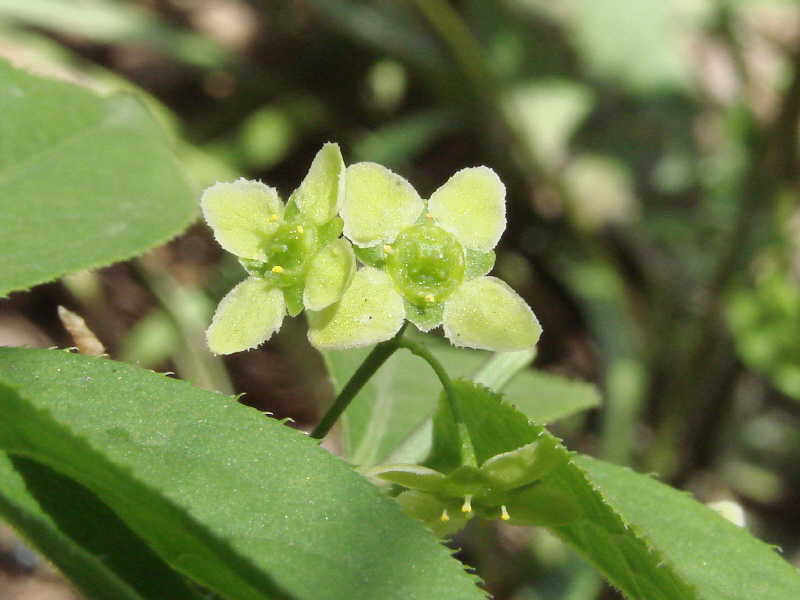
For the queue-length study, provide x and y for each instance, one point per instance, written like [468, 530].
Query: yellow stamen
[277, 269]
[467, 506]
[273, 218]
[300, 229]
[388, 249]
[430, 215]
[430, 298]
[505, 516]
[445, 517]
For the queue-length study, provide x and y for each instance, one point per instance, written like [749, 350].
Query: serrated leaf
[722, 560]
[494, 426]
[231, 498]
[599, 534]
[85, 180]
[649, 540]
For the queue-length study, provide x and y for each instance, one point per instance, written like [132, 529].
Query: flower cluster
[422, 261]
[506, 486]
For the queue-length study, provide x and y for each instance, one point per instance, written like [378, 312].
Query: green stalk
[467, 451]
[379, 355]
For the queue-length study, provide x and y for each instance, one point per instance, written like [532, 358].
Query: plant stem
[467, 450]
[379, 355]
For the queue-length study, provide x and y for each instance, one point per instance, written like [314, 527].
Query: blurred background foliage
[650, 151]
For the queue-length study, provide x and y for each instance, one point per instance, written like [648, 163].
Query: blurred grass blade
[109, 22]
[502, 367]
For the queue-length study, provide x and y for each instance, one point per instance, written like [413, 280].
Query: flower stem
[379, 355]
[467, 450]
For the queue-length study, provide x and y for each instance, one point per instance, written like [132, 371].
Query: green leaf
[85, 180]
[494, 426]
[599, 534]
[651, 541]
[722, 561]
[17, 507]
[545, 397]
[231, 498]
[88, 522]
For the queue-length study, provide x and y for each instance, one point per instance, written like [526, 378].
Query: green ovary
[289, 254]
[426, 264]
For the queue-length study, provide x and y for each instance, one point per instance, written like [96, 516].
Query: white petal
[486, 313]
[370, 311]
[472, 206]
[243, 215]
[320, 195]
[331, 271]
[378, 204]
[246, 317]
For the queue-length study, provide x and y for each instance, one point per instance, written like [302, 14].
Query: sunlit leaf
[85, 180]
[235, 500]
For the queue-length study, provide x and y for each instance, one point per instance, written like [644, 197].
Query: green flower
[507, 486]
[293, 254]
[427, 262]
